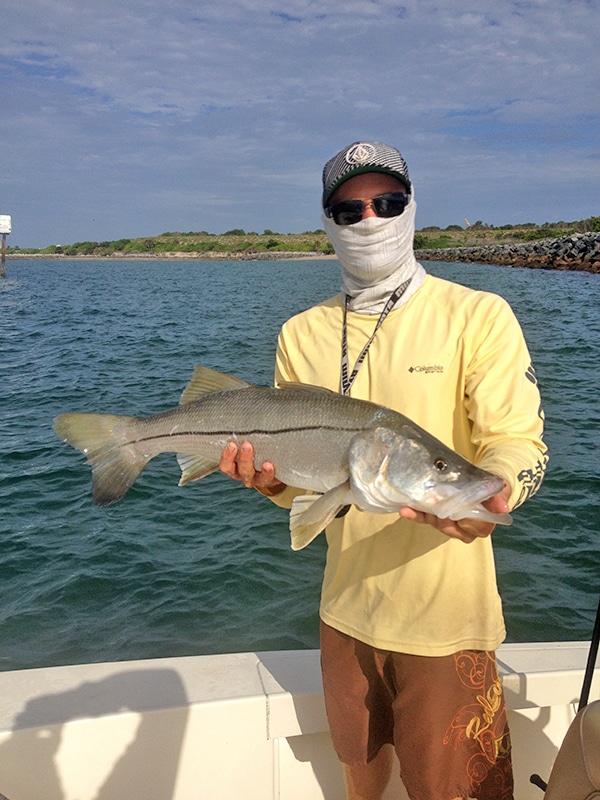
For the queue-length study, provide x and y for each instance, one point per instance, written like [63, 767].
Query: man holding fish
[407, 423]
[410, 611]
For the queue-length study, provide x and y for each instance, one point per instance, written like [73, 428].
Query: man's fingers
[227, 463]
[237, 462]
[267, 474]
[245, 464]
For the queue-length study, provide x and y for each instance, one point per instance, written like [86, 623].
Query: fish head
[390, 469]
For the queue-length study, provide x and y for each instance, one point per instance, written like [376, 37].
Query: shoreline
[176, 256]
[577, 252]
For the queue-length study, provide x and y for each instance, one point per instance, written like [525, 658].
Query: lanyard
[346, 380]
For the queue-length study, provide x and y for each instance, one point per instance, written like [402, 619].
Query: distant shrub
[119, 245]
[593, 224]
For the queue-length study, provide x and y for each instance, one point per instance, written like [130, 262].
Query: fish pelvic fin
[312, 513]
[205, 380]
[104, 438]
[195, 467]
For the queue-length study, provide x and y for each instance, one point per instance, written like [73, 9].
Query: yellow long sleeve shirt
[455, 361]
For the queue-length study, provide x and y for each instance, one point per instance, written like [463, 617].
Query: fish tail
[113, 454]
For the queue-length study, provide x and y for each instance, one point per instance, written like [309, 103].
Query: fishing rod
[591, 663]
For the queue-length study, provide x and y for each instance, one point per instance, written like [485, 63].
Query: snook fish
[346, 450]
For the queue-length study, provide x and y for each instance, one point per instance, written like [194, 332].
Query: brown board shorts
[445, 716]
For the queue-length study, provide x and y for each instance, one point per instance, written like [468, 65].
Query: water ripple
[208, 568]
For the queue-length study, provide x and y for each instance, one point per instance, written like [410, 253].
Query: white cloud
[140, 113]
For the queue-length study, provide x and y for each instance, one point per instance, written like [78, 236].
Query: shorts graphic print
[484, 723]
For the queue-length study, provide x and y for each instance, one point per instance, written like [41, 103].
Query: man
[410, 612]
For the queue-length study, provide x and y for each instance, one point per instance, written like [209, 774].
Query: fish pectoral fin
[311, 513]
[205, 380]
[195, 467]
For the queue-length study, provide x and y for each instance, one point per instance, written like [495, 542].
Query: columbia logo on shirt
[427, 368]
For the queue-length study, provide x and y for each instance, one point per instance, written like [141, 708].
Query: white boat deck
[246, 725]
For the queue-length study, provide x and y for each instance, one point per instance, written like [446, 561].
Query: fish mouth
[472, 496]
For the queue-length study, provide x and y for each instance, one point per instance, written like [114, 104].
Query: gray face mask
[373, 248]
[376, 255]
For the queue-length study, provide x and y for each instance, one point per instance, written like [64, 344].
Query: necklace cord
[346, 378]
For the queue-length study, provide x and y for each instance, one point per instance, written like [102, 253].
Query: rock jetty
[580, 251]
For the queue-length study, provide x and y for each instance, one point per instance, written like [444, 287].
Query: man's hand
[467, 530]
[243, 468]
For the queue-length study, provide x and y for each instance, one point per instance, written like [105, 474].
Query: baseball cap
[360, 157]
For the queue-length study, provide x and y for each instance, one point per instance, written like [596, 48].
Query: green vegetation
[241, 244]
[235, 241]
[478, 234]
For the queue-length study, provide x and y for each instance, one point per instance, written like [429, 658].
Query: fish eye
[440, 465]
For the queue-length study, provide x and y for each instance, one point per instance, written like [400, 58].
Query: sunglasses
[349, 212]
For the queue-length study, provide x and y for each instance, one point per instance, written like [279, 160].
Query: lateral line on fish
[230, 432]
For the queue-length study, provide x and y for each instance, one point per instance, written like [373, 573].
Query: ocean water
[207, 568]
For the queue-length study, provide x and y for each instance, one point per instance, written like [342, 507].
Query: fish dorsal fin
[205, 380]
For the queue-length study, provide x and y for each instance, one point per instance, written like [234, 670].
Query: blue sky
[127, 118]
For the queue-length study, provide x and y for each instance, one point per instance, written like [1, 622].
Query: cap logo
[360, 154]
